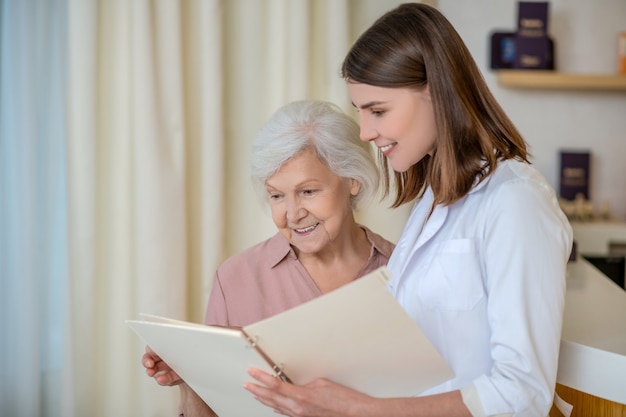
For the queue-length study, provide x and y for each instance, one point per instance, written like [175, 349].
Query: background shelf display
[537, 79]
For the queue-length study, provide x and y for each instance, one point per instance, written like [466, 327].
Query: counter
[596, 237]
[593, 342]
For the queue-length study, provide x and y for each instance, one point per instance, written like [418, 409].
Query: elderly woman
[309, 164]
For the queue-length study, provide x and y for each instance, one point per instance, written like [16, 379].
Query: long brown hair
[412, 46]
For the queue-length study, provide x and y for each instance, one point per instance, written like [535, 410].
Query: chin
[400, 168]
[309, 249]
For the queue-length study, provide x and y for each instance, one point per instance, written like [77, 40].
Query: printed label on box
[574, 175]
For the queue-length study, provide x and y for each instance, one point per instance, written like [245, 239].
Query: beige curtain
[164, 98]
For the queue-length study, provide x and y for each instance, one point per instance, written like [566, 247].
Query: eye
[309, 192]
[274, 196]
[378, 113]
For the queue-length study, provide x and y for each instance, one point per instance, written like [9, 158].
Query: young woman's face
[400, 121]
[310, 204]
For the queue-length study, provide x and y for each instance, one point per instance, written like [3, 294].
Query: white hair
[323, 127]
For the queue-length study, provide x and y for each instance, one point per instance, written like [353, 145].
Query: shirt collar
[280, 249]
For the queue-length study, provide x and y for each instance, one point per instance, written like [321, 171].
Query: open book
[357, 335]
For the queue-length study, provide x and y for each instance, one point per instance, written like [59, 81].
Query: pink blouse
[267, 279]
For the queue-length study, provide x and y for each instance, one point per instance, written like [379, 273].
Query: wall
[585, 36]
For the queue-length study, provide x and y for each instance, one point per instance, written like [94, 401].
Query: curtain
[124, 143]
[33, 224]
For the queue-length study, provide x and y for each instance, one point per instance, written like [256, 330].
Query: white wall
[585, 36]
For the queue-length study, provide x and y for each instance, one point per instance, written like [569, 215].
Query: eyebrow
[370, 104]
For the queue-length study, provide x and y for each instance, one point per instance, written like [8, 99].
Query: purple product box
[533, 48]
[574, 174]
[533, 53]
[532, 19]
[503, 52]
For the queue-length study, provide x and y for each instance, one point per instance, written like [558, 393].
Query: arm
[323, 398]
[191, 405]
[526, 245]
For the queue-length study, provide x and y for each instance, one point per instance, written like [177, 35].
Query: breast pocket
[454, 280]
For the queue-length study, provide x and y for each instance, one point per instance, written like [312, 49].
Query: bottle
[621, 53]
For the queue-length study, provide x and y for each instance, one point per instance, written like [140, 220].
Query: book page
[167, 320]
[358, 336]
[212, 360]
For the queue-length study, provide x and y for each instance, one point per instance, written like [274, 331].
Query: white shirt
[484, 278]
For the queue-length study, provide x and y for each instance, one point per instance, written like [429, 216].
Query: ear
[355, 187]
[426, 92]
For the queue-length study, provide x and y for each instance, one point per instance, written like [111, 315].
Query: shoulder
[514, 170]
[515, 176]
[521, 191]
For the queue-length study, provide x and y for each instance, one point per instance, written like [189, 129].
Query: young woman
[481, 263]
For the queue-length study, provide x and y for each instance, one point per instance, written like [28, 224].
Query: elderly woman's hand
[159, 370]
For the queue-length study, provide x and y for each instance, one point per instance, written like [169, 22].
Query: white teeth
[306, 229]
[386, 148]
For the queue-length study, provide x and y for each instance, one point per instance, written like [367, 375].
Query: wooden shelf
[534, 79]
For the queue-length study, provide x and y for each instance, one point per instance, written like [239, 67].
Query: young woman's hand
[320, 398]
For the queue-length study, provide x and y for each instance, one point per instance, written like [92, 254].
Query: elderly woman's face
[311, 206]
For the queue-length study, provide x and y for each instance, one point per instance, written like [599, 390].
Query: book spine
[278, 368]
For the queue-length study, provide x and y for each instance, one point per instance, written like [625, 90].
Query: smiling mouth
[385, 149]
[306, 230]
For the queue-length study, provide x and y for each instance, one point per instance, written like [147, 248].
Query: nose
[295, 211]
[367, 132]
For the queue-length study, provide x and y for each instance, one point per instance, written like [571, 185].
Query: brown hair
[412, 46]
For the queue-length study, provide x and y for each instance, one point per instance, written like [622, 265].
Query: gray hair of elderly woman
[323, 127]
